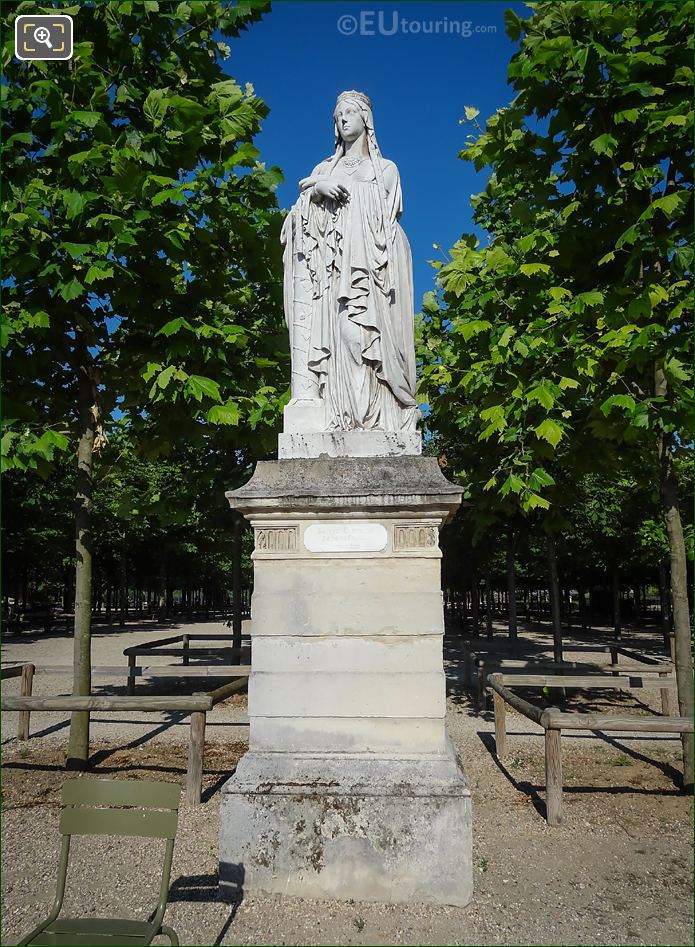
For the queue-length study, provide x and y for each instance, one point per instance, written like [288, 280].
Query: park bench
[141, 809]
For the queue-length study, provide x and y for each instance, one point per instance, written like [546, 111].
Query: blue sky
[298, 60]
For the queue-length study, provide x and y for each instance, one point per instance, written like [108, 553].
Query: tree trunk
[25, 589]
[617, 625]
[465, 628]
[581, 604]
[474, 601]
[511, 586]
[488, 605]
[78, 744]
[554, 598]
[679, 582]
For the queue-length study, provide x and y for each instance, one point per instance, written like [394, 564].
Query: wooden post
[196, 750]
[500, 720]
[467, 662]
[666, 692]
[553, 777]
[186, 645]
[481, 687]
[131, 677]
[25, 715]
[614, 659]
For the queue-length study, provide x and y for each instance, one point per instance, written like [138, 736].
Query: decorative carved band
[414, 537]
[277, 539]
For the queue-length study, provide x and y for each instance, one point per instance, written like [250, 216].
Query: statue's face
[349, 121]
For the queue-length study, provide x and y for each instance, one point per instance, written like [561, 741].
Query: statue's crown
[352, 94]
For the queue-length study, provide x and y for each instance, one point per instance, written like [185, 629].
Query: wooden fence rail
[197, 705]
[158, 647]
[554, 721]
[488, 664]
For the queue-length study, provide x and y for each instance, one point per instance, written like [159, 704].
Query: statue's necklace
[353, 162]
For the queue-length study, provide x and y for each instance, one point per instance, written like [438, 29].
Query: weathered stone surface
[328, 654]
[373, 830]
[349, 789]
[367, 694]
[349, 444]
[347, 483]
[399, 736]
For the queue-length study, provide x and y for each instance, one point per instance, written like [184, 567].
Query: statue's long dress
[361, 346]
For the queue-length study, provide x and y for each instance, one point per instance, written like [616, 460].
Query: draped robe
[360, 350]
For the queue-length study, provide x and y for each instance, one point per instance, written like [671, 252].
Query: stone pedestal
[351, 787]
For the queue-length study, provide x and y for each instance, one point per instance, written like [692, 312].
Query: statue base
[342, 827]
[349, 444]
[350, 788]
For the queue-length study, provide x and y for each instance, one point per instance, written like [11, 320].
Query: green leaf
[513, 24]
[97, 272]
[550, 431]
[626, 402]
[530, 269]
[604, 144]
[542, 394]
[506, 336]
[470, 112]
[198, 386]
[172, 327]
[568, 383]
[5, 333]
[165, 376]
[71, 290]
[521, 348]
[591, 298]
[559, 292]
[513, 483]
[540, 478]
[678, 120]
[674, 368]
[155, 106]
[670, 205]
[74, 203]
[76, 250]
[88, 119]
[228, 413]
[473, 327]
[627, 115]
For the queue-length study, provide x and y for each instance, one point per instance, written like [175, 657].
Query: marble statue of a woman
[348, 293]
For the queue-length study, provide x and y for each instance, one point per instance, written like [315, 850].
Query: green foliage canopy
[140, 231]
[548, 337]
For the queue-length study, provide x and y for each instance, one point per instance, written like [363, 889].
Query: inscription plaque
[345, 537]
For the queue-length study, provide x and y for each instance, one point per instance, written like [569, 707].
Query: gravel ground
[618, 871]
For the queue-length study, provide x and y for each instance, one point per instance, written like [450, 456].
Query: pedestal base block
[355, 827]
[349, 444]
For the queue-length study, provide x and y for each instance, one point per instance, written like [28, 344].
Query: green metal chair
[111, 807]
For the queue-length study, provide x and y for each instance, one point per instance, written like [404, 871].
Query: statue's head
[353, 113]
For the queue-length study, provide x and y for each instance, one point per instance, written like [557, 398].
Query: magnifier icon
[42, 35]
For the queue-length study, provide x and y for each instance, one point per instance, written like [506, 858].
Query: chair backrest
[120, 807]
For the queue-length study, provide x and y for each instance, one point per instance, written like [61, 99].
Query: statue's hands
[307, 182]
[327, 187]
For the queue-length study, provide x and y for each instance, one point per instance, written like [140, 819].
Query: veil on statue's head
[364, 105]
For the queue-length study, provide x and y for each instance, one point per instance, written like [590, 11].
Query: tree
[571, 327]
[140, 250]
